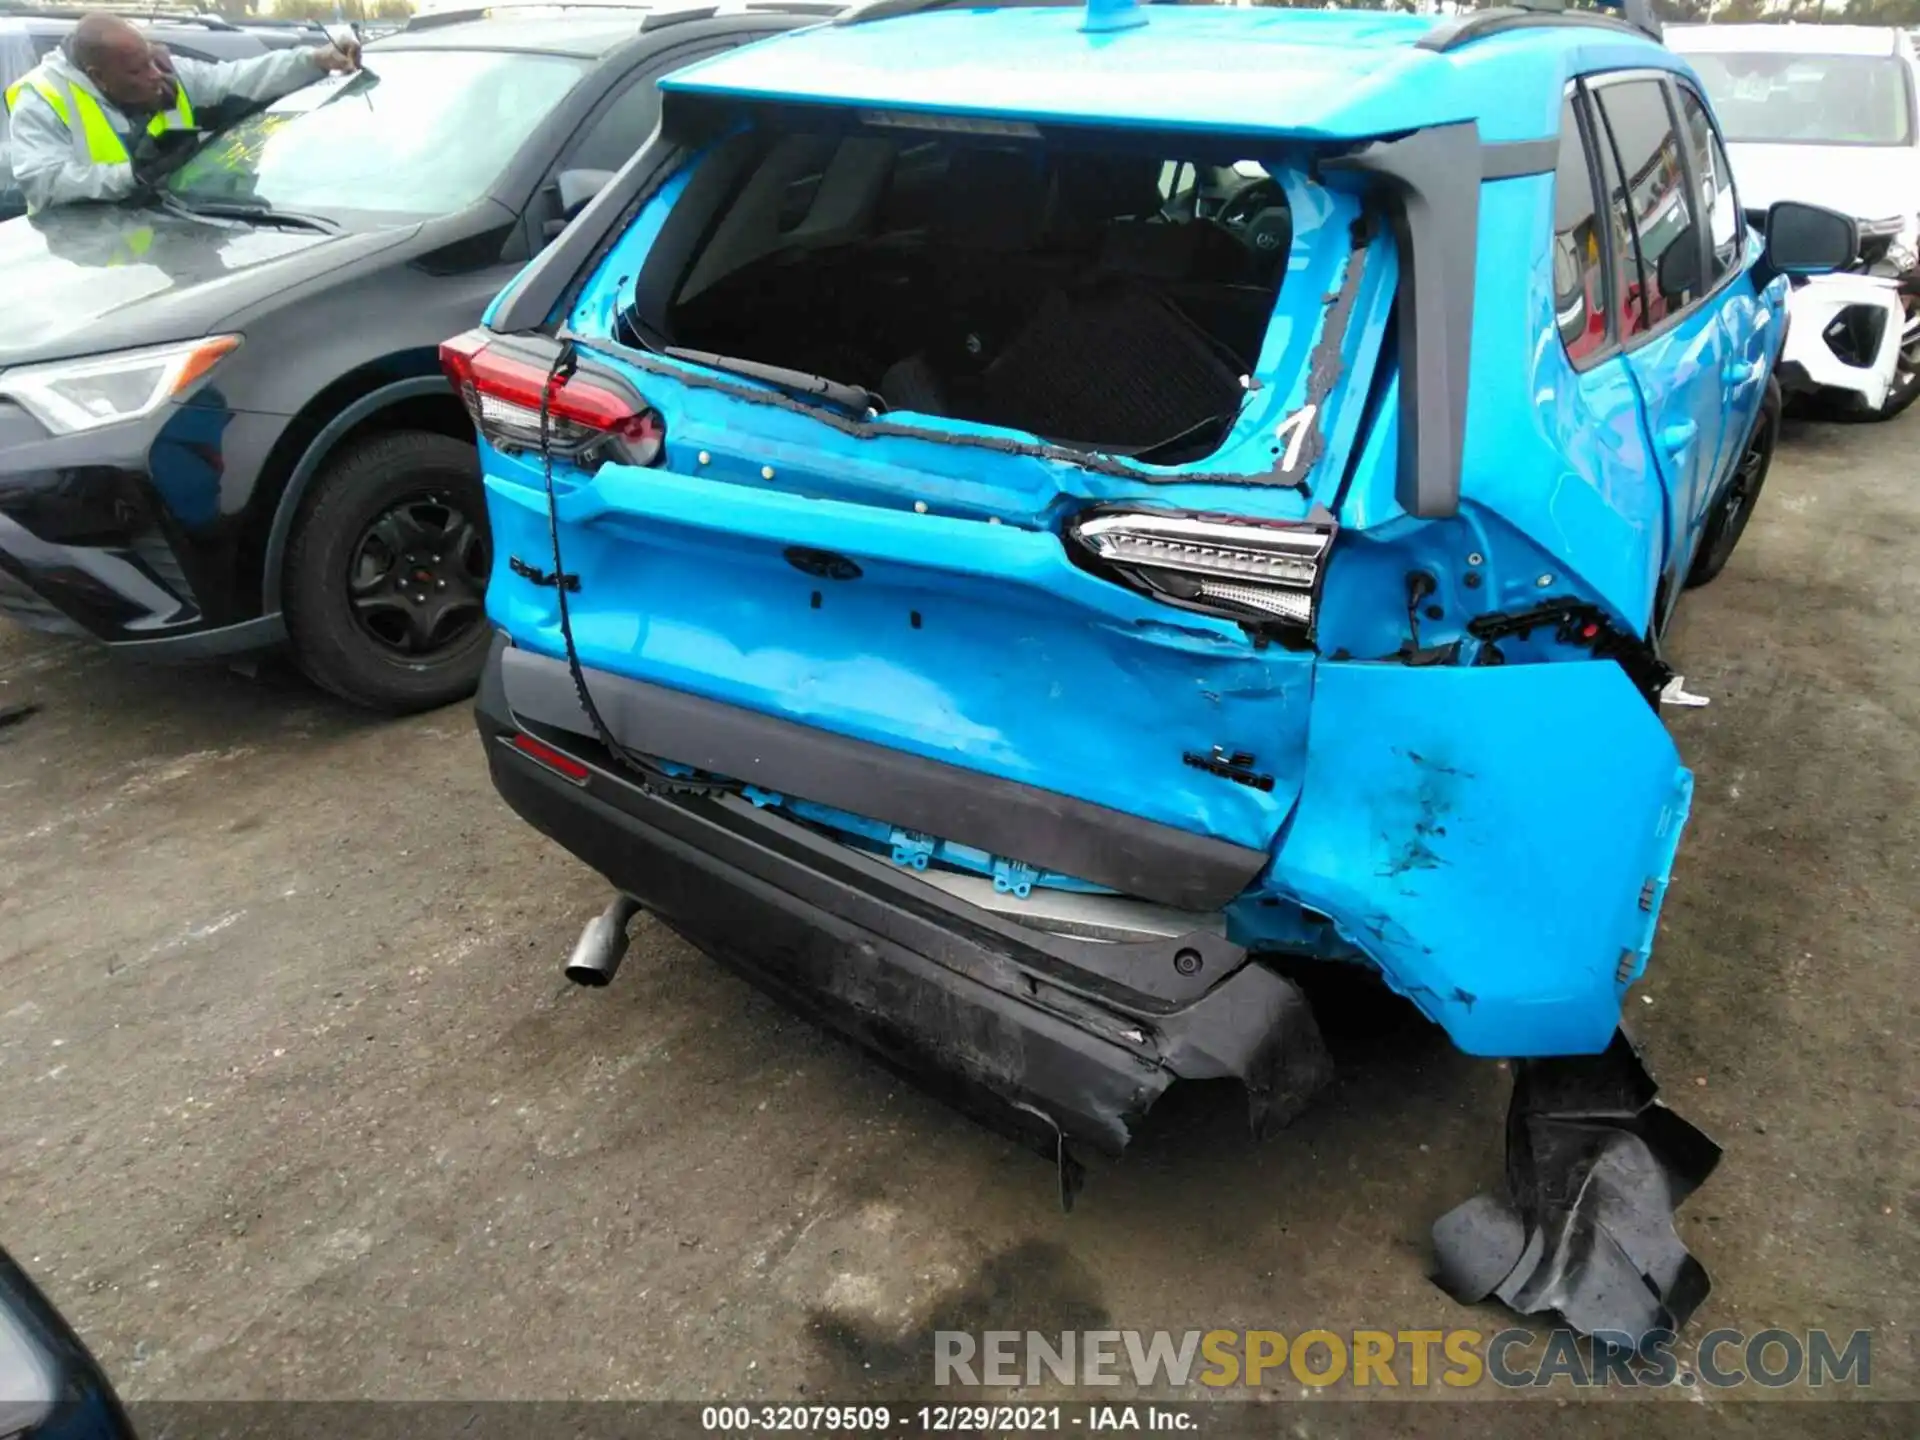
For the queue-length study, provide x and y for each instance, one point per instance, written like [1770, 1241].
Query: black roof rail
[661, 19]
[211, 22]
[650, 21]
[1636, 17]
[893, 9]
[417, 23]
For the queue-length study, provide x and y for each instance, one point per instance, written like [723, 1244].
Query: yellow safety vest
[103, 143]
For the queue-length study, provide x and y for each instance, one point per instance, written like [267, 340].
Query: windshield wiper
[854, 399]
[258, 212]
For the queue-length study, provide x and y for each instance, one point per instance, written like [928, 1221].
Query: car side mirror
[572, 189]
[1810, 239]
[50, 1384]
[1678, 269]
[577, 187]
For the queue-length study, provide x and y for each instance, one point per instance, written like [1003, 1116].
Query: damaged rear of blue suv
[1012, 524]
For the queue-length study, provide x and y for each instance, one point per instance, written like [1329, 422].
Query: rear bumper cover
[1061, 1039]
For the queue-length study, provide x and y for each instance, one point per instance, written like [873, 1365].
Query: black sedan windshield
[418, 132]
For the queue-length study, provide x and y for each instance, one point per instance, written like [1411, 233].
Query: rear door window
[1652, 190]
[1726, 233]
[1579, 246]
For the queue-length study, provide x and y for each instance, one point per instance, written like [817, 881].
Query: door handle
[1676, 438]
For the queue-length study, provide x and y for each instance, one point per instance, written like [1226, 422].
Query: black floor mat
[1110, 367]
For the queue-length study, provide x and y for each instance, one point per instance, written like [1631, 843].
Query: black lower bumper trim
[1041, 827]
[1061, 1040]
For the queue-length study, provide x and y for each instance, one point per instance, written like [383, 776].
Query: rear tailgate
[911, 583]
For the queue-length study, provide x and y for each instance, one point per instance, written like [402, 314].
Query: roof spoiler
[1634, 15]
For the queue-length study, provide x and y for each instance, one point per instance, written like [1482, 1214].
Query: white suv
[1826, 114]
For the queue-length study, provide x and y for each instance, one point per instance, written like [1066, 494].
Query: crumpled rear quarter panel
[1484, 835]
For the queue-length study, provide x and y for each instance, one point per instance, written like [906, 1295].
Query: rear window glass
[1110, 298]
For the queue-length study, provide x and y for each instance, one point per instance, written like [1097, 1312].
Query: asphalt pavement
[294, 1102]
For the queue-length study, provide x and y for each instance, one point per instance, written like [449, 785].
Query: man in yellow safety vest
[84, 122]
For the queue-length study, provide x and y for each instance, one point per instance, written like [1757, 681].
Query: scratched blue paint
[1484, 834]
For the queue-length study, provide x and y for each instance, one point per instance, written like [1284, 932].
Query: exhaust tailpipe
[598, 951]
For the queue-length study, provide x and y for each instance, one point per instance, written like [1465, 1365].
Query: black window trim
[1576, 95]
[1667, 80]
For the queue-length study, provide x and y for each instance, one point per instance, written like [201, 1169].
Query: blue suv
[1014, 526]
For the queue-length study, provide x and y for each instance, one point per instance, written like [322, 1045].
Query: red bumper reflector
[564, 766]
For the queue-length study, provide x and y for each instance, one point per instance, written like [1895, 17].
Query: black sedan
[223, 424]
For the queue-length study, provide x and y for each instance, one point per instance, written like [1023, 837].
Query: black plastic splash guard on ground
[1596, 1167]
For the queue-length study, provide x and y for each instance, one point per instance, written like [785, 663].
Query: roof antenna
[1105, 16]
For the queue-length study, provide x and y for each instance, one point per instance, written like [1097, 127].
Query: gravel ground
[294, 1102]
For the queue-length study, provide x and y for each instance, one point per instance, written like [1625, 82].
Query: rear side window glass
[1624, 250]
[1654, 194]
[1579, 249]
[1718, 202]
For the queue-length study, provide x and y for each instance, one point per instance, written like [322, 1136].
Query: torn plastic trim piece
[1596, 1167]
[1431, 186]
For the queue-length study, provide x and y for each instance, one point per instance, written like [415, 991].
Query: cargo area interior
[1106, 299]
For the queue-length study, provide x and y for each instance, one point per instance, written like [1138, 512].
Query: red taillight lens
[587, 415]
[565, 766]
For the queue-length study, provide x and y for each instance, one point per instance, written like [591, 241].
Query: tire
[385, 578]
[1735, 504]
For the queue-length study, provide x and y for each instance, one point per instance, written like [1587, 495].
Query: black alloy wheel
[386, 576]
[418, 575]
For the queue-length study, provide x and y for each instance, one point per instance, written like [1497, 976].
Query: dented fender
[1498, 840]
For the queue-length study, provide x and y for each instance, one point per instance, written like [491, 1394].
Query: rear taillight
[1262, 573]
[590, 415]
